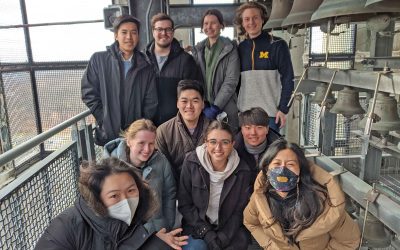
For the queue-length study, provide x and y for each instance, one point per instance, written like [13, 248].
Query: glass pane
[45, 11]
[212, 1]
[10, 13]
[12, 46]
[69, 42]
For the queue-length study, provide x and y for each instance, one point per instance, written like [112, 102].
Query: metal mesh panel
[312, 123]
[341, 47]
[21, 112]
[346, 142]
[390, 176]
[59, 99]
[27, 211]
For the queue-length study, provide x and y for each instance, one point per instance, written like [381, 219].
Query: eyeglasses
[223, 143]
[166, 30]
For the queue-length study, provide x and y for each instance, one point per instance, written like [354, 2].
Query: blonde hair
[238, 21]
[139, 125]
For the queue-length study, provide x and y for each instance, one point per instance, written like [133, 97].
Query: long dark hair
[311, 196]
[91, 181]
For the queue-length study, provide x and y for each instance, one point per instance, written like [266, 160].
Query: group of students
[226, 186]
[227, 179]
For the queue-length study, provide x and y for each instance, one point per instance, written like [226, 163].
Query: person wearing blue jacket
[266, 67]
[137, 148]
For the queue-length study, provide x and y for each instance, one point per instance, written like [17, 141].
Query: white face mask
[124, 210]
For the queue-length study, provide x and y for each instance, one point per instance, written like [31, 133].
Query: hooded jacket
[116, 101]
[179, 65]
[157, 172]
[225, 77]
[266, 74]
[334, 229]
[79, 227]
[193, 199]
[249, 158]
[174, 140]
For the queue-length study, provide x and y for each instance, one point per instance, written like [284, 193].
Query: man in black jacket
[171, 64]
[118, 85]
[254, 138]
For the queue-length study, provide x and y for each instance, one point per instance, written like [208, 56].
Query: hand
[211, 112]
[172, 238]
[280, 117]
[188, 48]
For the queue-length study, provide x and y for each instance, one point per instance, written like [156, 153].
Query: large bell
[344, 11]
[385, 115]
[320, 92]
[375, 235]
[280, 10]
[347, 103]
[384, 4]
[301, 12]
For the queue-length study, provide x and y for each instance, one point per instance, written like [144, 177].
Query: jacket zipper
[252, 55]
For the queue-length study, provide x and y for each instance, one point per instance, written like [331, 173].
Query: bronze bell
[301, 12]
[386, 117]
[320, 92]
[344, 11]
[280, 10]
[375, 235]
[394, 5]
[347, 103]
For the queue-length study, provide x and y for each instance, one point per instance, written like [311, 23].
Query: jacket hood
[215, 176]
[116, 148]
[139, 59]
[176, 49]
[324, 223]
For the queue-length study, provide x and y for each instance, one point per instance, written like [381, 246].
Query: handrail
[23, 147]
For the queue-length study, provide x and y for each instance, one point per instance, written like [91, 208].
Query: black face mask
[282, 179]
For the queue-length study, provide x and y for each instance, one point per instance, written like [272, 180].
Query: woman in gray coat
[219, 62]
[137, 148]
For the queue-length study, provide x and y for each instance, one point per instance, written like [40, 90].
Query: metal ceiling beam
[188, 15]
[357, 79]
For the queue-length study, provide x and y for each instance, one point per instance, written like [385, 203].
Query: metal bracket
[372, 194]
[338, 171]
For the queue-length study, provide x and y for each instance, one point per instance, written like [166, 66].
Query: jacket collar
[323, 224]
[176, 49]
[139, 61]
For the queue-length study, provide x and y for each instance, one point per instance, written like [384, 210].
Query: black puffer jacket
[249, 158]
[193, 199]
[79, 227]
[179, 65]
[116, 102]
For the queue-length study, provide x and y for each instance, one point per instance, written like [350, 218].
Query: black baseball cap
[125, 19]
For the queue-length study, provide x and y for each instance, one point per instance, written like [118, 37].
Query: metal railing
[37, 195]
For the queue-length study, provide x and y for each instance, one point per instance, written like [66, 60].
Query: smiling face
[163, 33]
[118, 187]
[212, 27]
[127, 37]
[141, 147]
[190, 105]
[219, 146]
[286, 158]
[252, 22]
[254, 135]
